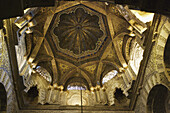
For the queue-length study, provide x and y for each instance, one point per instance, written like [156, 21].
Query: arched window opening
[158, 100]
[3, 99]
[109, 76]
[76, 86]
[69, 87]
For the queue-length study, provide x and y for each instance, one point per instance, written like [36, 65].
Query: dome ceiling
[76, 44]
[78, 31]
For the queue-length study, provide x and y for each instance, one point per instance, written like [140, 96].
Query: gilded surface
[80, 45]
[78, 31]
[91, 69]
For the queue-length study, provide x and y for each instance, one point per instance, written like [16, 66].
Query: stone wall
[6, 76]
[155, 71]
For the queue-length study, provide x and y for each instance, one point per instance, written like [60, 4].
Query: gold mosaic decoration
[63, 68]
[91, 69]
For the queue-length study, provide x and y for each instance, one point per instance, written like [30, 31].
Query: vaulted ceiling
[78, 43]
[79, 40]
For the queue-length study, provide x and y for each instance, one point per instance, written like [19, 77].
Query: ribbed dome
[78, 31]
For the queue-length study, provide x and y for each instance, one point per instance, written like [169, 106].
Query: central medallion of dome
[78, 31]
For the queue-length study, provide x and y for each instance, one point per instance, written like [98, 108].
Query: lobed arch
[166, 54]
[159, 49]
[158, 75]
[8, 89]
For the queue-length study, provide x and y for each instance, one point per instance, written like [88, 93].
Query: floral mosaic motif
[78, 31]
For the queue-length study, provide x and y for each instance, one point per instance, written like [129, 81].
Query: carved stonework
[136, 57]
[110, 96]
[6, 77]
[42, 96]
[103, 97]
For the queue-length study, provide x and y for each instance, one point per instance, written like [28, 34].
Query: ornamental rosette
[78, 31]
